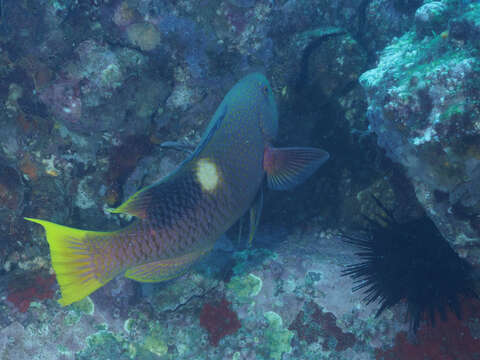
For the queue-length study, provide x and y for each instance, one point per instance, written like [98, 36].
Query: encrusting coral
[219, 320]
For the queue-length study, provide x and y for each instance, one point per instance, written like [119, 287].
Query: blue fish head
[263, 103]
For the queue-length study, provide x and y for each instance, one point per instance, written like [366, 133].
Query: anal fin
[165, 269]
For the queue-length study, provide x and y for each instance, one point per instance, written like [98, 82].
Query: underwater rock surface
[289, 300]
[424, 98]
[87, 108]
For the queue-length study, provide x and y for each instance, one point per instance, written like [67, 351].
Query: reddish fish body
[179, 218]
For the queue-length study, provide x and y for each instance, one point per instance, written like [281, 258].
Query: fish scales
[153, 238]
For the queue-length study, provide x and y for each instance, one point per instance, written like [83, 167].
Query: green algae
[111, 76]
[84, 306]
[407, 57]
[77, 310]
[64, 351]
[128, 325]
[453, 111]
[155, 342]
[71, 318]
[155, 345]
[245, 287]
[105, 345]
[101, 326]
[276, 339]
[473, 14]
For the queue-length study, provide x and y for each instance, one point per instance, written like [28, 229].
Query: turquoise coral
[246, 287]
[104, 345]
[276, 339]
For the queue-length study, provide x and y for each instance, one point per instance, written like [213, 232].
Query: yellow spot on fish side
[207, 174]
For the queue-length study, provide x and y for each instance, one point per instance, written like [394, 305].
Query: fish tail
[74, 260]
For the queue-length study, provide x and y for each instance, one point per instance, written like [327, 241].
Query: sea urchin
[410, 261]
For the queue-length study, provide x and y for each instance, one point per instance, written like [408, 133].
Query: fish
[178, 218]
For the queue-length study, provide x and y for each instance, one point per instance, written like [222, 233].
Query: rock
[423, 105]
[144, 35]
[243, 3]
[466, 27]
[431, 17]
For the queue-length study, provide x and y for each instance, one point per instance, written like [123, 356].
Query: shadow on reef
[407, 6]
[323, 106]
[356, 162]
[230, 257]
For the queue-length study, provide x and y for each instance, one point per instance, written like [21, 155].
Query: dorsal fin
[211, 129]
[139, 203]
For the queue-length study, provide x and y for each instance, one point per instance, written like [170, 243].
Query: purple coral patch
[312, 323]
[219, 320]
[452, 339]
[26, 288]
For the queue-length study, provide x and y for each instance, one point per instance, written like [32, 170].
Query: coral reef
[245, 287]
[144, 35]
[11, 195]
[312, 324]
[100, 98]
[303, 310]
[25, 288]
[276, 338]
[410, 261]
[423, 106]
[453, 339]
[430, 17]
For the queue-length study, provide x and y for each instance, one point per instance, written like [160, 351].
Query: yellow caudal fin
[72, 261]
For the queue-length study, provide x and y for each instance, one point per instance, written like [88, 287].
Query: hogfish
[178, 219]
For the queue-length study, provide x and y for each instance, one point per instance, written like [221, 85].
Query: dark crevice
[362, 30]
[311, 47]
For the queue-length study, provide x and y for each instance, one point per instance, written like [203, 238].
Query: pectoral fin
[164, 269]
[289, 167]
[255, 212]
[253, 219]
